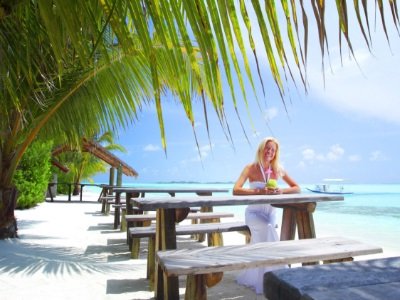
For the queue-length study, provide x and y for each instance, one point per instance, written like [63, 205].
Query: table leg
[300, 215]
[201, 236]
[165, 287]
[103, 202]
[117, 209]
[130, 211]
[288, 229]
[305, 225]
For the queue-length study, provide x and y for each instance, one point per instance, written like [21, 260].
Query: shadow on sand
[28, 259]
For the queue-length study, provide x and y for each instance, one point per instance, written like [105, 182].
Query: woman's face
[269, 151]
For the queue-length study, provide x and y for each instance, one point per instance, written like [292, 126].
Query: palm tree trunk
[8, 223]
[77, 189]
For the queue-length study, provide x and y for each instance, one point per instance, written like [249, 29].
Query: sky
[346, 126]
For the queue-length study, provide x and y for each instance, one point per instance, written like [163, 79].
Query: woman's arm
[293, 186]
[238, 188]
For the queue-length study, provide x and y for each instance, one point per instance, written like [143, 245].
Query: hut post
[112, 176]
[119, 175]
[111, 181]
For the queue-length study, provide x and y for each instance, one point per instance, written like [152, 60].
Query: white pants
[261, 220]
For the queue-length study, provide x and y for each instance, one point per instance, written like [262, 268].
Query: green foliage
[62, 177]
[84, 165]
[32, 175]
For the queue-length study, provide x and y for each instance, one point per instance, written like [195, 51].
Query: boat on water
[335, 187]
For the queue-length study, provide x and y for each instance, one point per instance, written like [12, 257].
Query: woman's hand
[276, 191]
[267, 191]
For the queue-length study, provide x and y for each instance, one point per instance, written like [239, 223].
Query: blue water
[371, 213]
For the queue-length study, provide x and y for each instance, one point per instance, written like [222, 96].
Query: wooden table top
[155, 203]
[169, 190]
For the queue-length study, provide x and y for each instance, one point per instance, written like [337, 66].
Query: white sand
[69, 250]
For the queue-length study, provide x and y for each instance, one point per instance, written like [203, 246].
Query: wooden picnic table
[297, 212]
[135, 192]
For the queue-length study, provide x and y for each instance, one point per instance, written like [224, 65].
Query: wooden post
[69, 191]
[119, 176]
[81, 192]
[112, 176]
[118, 198]
[166, 287]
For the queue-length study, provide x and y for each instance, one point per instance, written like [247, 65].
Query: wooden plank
[200, 191]
[140, 232]
[229, 258]
[288, 229]
[190, 216]
[167, 240]
[155, 203]
[211, 228]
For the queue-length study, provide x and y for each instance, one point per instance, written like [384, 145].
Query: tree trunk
[8, 223]
[77, 189]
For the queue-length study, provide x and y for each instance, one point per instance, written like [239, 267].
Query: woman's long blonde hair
[260, 154]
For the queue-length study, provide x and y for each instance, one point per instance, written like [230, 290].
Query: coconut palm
[74, 67]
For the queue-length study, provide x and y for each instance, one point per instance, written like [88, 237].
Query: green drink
[272, 184]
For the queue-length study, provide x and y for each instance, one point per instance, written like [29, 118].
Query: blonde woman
[262, 176]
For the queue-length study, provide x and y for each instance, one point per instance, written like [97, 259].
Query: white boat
[330, 188]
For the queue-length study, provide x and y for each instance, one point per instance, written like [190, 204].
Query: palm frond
[63, 61]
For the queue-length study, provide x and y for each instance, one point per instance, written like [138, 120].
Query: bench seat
[139, 232]
[106, 201]
[146, 219]
[213, 230]
[364, 279]
[197, 263]
[190, 216]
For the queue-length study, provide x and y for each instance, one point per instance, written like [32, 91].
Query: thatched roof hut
[98, 151]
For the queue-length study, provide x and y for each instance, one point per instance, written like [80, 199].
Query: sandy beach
[67, 250]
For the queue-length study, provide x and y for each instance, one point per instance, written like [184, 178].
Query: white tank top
[261, 184]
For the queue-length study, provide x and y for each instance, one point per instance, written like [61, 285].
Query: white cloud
[368, 90]
[270, 113]
[151, 148]
[354, 158]
[365, 88]
[205, 150]
[335, 152]
[308, 154]
[377, 156]
[301, 164]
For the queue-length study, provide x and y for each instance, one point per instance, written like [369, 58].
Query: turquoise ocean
[370, 214]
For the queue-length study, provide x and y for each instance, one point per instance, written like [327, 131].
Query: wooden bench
[146, 219]
[106, 202]
[124, 223]
[196, 264]
[363, 279]
[213, 230]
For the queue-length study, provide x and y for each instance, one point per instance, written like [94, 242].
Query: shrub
[33, 174]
